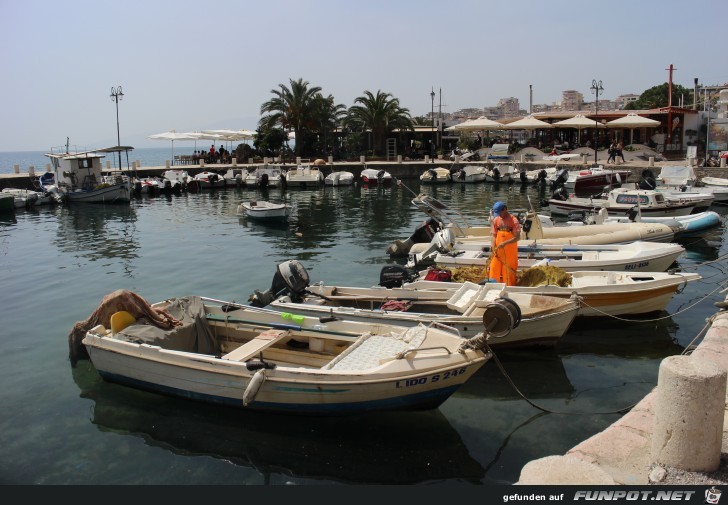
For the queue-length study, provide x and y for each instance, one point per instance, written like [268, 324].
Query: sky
[192, 65]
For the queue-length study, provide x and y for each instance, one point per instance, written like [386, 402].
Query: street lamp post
[116, 95]
[432, 116]
[596, 87]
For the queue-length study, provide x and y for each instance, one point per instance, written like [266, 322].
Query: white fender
[253, 387]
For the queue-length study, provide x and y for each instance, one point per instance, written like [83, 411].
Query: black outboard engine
[264, 181]
[422, 234]
[560, 193]
[290, 278]
[496, 174]
[541, 177]
[648, 180]
[432, 174]
[461, 174]
[524, 177]
[632, 213]
[393, 276]
[560, 178]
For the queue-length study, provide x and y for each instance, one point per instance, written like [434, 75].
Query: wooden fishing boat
[602, 293]
[638, 256]
[215, 351]
[544, 319]
[264, 211]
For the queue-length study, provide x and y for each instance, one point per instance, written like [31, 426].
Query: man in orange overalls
[506, 231]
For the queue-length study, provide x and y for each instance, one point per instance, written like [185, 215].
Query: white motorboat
[620, 201]
[304, 176]
[372, 177]
[240, 356]
[148, 185]
[502, 173]
[339, 178]
[235, 177]
[78, 177]
[266, 176]
[638, 256]
[27, 198]
[436, 175]
[468, 174]
[176, 180]
[714, 181]
[209, 180]
[600, 293]
[543, 320]
[264, 211]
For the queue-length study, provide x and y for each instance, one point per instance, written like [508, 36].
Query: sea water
[62, 424]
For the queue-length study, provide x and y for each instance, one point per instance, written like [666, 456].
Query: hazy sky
[194, 65]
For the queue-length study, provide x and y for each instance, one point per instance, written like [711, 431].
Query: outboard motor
[290, 278]
[541, 177]
[432, 173]
[648, 180]
[496, 174]
[461, 174]
[263, 181]
[524, 177]
[632, 213]
[423, 233]
[560, 178]
[560, 194]
[393, 276]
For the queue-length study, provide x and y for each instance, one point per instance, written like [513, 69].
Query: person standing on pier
[506, 232]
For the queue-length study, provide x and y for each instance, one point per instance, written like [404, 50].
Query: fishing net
[543, 275]
[534, 276]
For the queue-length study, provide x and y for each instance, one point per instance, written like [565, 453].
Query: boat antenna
[67, 142]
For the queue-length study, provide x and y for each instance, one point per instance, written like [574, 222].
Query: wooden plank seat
[256, 345]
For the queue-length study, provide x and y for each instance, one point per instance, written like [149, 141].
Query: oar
[280, 326]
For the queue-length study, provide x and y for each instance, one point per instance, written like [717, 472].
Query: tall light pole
[116, 95]
[432, 116]
[596, 87]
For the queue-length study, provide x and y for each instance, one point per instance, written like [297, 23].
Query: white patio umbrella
[172, 135]
[480, 124]
[527, 123]
[579, 122]
[633, 121]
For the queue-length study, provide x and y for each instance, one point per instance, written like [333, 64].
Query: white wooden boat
[469, 174]
[78, 177]
[209, 180]
[264, 211]
[638, 256]
[266, 176]
[374, 177]
[544, 320]
[502, 173]
[271, 361]
[339, 178]
[603, 293]
[436, 175]
[304, 176]
[620, 201]
[27, 198]
[533, 231]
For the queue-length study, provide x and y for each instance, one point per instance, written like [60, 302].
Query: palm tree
[328, 117]
[291, 109]
[381, 113]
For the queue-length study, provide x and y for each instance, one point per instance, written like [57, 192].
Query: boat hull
[117, 193]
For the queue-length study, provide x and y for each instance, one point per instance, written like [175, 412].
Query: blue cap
[498, 206]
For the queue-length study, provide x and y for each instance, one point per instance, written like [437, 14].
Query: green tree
[291, 109]
[269, 141]
[327, 116]
[657, 96]
[380, 113]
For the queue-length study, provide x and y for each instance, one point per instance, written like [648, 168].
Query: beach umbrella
[579, 122]
[172, 135]
[633, 121]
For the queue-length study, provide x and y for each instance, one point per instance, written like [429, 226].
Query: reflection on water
[379, 449]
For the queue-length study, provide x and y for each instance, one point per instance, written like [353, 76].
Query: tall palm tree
[291, 109]
[328, 116]
[381, 113]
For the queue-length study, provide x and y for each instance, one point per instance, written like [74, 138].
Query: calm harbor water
[63, 425]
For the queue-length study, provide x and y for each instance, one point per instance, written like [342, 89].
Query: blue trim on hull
[418, 401]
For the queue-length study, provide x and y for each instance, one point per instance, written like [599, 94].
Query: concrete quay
[622, 453]
[398, 169]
